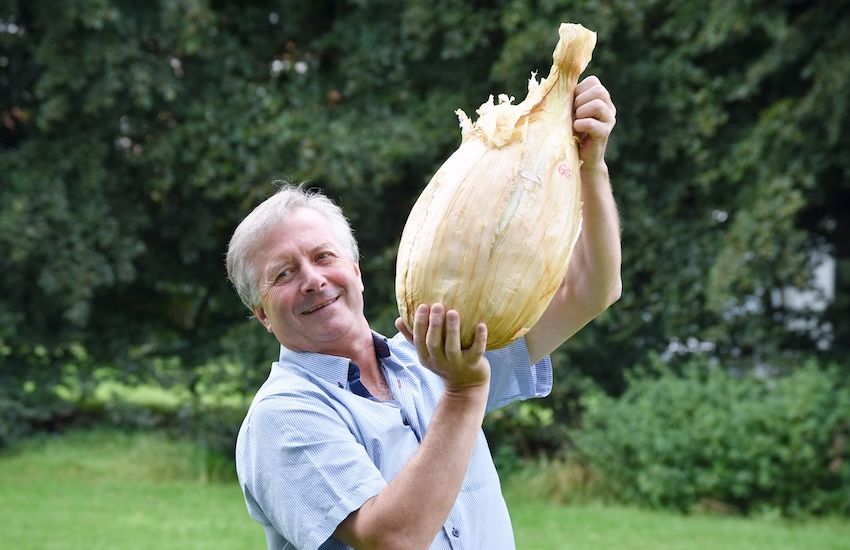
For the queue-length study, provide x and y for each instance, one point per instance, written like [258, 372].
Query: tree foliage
[135, 136]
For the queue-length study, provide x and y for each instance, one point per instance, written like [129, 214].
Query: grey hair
[266, 216]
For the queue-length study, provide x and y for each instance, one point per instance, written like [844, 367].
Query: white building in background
[811, 300]
[814, 300]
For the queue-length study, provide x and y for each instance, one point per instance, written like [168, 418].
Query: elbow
[391, 539]
[398, 541]
[365, 529]
[607, 296]
[592, 302]
[615, 293]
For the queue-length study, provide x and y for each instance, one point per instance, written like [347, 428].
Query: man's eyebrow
[325, 245]
[277, 265]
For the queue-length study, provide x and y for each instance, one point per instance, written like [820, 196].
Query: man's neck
[365, 357]
[356, 346]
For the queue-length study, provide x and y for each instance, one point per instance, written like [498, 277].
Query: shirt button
[455, 532]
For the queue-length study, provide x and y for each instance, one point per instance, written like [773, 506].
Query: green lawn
[108, 490]
[93, 490]
[545, 526]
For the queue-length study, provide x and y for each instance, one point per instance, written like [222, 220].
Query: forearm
[412, 509]
[592, 282]
[594, 275]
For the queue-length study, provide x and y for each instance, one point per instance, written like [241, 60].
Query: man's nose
[312, 279]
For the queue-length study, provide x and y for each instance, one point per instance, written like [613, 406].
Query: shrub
[521, 431]
[703, 437]
[562, 480]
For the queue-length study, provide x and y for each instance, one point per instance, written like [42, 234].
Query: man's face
[311, 293]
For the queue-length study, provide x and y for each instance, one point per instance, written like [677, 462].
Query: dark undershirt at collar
[382, 351]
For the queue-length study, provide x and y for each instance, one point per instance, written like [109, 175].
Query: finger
[420, 330]
[597, 109]
[595, 129]
[587, 83]
[479, 344]
[582, 137]
[434, 337]
[402, 328]
[452, 344]
[590, 94]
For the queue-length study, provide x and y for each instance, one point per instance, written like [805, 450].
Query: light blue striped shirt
[310, 451]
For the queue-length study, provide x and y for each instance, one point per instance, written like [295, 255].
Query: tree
[136, 136]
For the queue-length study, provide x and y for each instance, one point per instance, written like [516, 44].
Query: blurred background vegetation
[136, 135]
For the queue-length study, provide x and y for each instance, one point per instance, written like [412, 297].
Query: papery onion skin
[492, 234]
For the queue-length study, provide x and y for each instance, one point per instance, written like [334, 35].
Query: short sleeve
[302, 467]
[513, 377]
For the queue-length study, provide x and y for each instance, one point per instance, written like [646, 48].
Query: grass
[543, 521]
[102, 489]
[92, 490]
[547, 526]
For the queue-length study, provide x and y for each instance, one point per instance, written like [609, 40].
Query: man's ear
[261, 316]
[359, 276]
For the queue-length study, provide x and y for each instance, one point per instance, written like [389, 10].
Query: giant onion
[492, 234]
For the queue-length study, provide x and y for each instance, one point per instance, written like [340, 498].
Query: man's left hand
[594, 116]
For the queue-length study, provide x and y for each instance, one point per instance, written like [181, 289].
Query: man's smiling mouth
[320, 306]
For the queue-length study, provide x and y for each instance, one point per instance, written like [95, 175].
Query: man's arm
[413, 507]
[593, 281]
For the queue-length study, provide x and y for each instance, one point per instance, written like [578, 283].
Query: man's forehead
[300, 226]
[305, 230]
[284, 245]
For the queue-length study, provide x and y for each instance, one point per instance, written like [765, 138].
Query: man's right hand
[436, 335]
[410, 511]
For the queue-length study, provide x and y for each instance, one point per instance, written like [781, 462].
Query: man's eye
[284, 275]
[324, 256]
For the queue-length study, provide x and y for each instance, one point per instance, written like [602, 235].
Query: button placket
[402, 394]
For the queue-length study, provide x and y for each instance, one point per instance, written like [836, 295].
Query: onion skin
[492, 234]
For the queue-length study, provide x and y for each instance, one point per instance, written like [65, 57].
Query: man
[360, 441]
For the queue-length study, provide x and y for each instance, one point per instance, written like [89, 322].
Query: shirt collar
[331, 368]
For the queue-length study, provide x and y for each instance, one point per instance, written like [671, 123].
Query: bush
[521, 431]
[562, 479]
[211, 425]
[17, 418]
[705, 438]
